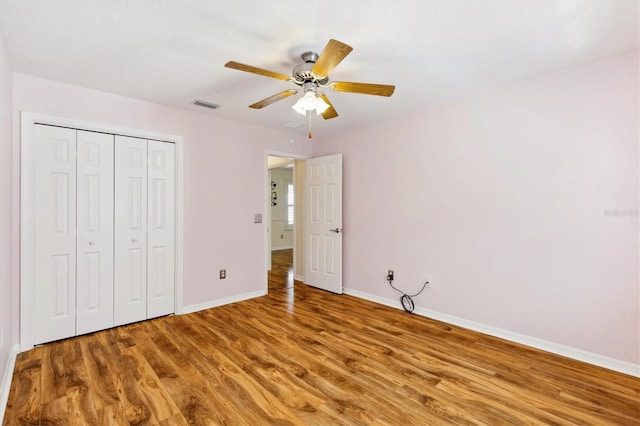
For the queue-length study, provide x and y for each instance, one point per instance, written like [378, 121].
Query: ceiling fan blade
[334, 52]
[329, 112]
[363, 88]
[256, 70]
[271, 99]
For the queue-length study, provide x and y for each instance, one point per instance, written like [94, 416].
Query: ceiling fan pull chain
[309, 115]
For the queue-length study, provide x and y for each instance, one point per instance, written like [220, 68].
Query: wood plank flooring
[304, 356]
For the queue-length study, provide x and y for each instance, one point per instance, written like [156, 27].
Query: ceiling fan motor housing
[302, 72]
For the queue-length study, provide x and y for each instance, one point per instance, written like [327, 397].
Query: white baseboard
[5, 386]
[567, 351]
[281, 248]
[219, 302]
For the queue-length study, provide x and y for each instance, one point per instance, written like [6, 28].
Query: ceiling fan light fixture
[322, 106]
[309, 102]
[299, 108]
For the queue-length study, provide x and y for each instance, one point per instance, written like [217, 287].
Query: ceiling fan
[311, 75]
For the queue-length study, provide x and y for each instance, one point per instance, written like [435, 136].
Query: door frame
[266, 217]
[28, 120]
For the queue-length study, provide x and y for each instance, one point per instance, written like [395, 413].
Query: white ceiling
[173, 52]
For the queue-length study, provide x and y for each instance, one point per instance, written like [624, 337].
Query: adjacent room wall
[280, 238]
[519, 204]
[218, 234]
[6, 211]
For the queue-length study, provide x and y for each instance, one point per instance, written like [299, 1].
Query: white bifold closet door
[94, 228]
[160, 228]
[104, 214]
[144, 231]
[131, 230]
[73, 226]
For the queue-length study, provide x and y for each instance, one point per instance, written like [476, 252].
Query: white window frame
[289, 190]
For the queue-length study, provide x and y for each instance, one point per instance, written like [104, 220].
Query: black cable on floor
[406, 299]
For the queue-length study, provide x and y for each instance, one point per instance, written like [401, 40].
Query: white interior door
[323, 224]
[130, 269]
[161, 229]
[94, 227]
[55, 233]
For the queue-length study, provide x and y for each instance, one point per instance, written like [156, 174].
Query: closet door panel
[94, 283]
[161, 232]
[55, 231]
[130, 303]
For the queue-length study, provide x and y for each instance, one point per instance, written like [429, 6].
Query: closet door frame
[28, 121]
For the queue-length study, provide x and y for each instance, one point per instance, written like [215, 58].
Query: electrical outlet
[390, 275]
[223, 274]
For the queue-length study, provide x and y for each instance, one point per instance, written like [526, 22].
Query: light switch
[257, 218]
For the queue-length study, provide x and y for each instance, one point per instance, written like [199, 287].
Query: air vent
[205, 104]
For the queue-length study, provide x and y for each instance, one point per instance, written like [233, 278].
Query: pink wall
[6, 210]
[224, 165]
[504, 201]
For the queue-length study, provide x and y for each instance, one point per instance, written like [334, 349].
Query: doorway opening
[283, 221]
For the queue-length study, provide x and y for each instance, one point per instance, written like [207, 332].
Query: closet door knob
[92, 243]
[134, 240]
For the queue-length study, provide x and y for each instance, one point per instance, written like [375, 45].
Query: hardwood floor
[281, 273]
[305, 356]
